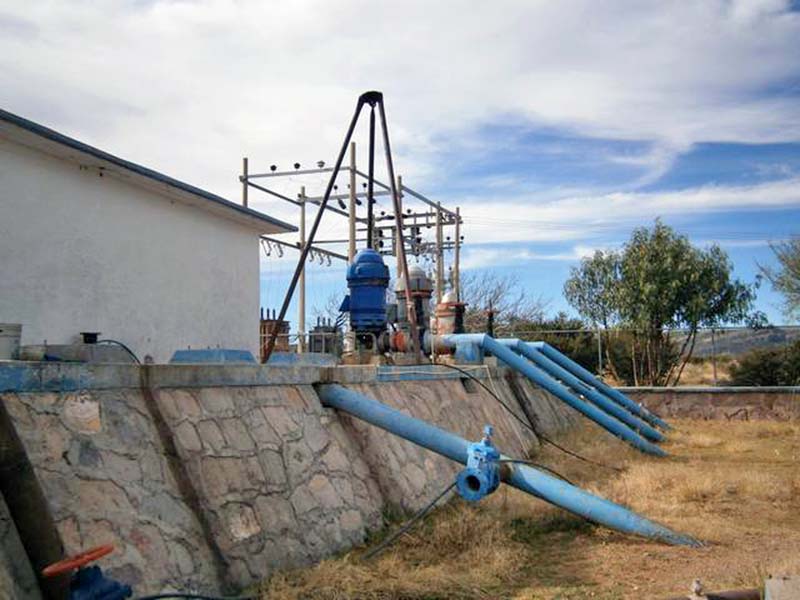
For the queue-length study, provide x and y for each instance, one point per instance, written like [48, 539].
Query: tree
[768, 366]
[504, 294]
[786, 278]
[658, 282]
[593, 290]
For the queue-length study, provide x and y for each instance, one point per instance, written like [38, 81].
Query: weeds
[733, 484]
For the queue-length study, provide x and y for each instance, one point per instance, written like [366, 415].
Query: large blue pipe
[560, 373]
[593, 381]
[522, 477]
[542, 379]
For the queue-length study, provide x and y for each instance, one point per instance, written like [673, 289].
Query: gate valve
[89, 583]
[482, 475]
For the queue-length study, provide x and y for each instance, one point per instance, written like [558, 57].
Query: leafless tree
[503, 294]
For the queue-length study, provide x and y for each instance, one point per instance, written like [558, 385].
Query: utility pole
[351, 249]
[397, 237]
[244, 181]
[439, 255]
[301, 299]
[457, 257]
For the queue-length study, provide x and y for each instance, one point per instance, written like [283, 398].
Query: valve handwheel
[75, 562]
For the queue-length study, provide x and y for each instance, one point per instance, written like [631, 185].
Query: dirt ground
[734, 485]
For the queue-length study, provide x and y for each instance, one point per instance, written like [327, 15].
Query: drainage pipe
[579, 387]
[520, 476]
[542, 379]
[593, 381]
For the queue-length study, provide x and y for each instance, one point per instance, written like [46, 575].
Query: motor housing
[367, 280]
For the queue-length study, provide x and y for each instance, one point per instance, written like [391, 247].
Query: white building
[91, 242]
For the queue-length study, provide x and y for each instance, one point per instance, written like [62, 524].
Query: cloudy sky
[556, 126]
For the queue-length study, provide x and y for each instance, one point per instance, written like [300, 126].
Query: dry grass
[736, 485]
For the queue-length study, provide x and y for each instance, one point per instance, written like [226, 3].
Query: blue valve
[89, 583]
[482, 475]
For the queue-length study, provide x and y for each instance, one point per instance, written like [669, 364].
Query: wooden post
[301, 298]
[351, 249]
[397, 249]
[439, 255]
[244, 181]
[457, 258]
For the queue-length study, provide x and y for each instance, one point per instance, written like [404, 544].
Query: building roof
[42, 138]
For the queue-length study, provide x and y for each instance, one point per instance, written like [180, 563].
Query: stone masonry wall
[98, 458]
[214, 479]
[280, 481]
[780, 404]
[17, 581]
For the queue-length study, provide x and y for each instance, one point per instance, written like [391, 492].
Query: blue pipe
[593, 381]
[580, 387]
[522, 477]
[544, 380]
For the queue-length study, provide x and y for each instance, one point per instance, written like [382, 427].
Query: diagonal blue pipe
[580, 387]
[593, 381]
[522, 477]
[542, 379]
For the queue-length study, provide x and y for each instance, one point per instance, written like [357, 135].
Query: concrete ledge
[30, 377]
[699, 389]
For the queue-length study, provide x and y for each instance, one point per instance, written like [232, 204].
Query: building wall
[85, 252]
[211, 478]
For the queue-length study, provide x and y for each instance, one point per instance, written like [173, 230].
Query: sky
[557, 127]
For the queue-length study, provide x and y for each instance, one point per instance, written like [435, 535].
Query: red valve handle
[74, 562]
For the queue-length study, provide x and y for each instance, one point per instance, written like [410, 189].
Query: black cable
[121, 345]
[525, 423]
[389, 540]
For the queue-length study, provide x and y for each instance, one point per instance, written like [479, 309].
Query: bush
[772, 366]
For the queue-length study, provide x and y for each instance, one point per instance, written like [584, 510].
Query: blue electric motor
[367, 280]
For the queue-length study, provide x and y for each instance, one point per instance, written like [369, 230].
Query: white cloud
[576, 217]
[190, 87]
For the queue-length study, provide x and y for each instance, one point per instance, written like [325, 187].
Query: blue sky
[558, 127]
[550, 160]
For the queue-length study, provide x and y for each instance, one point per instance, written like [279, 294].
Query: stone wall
[98, 457]
[17, 581]
[211, 478]
[739, 403]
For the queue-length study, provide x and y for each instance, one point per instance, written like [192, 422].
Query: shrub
[772, 366]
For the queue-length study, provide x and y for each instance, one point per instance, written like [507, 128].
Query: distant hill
[738, 341]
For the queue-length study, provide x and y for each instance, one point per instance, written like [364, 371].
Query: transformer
[367, 280]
